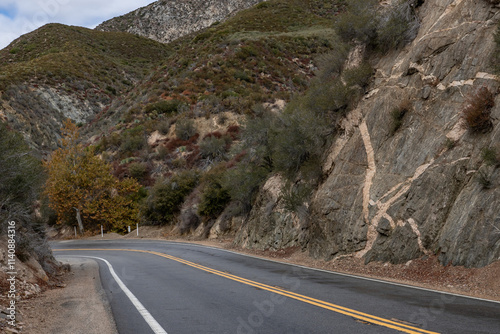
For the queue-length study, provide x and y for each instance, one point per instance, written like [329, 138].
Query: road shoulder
[79, 308]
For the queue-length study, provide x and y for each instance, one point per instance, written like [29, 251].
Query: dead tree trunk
[79, 219]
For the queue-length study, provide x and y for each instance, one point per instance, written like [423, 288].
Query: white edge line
[320, 270]
[155, 326]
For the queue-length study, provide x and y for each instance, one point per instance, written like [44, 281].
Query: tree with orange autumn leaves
[81, 184]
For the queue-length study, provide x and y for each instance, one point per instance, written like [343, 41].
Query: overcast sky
[18, 17]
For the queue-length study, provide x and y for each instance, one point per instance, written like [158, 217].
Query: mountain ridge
[167, 20]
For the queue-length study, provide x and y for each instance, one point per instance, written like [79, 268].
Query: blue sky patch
[9, 10]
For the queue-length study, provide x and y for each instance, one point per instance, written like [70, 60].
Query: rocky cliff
[167, 20]
[423, 187]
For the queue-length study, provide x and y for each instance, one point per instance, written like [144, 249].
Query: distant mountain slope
[256, 56]
[59, 72]
[167, 20]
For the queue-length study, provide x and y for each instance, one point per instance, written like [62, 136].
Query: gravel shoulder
[81, 307]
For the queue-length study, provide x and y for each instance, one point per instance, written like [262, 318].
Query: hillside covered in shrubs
[343, 127]
[204, 131]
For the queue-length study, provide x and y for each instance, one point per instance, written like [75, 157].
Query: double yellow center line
[320, 303]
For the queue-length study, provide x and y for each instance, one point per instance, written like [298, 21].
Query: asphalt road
[167, 287]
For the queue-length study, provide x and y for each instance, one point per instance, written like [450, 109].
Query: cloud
[20, 17]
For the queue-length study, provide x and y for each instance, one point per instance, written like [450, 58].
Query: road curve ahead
[167, 287]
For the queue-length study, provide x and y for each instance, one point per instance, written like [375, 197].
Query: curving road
[168, 287]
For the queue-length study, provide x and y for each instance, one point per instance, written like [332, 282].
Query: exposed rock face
[269, 224]
[396, 197]
[167, 20]
[38, 111]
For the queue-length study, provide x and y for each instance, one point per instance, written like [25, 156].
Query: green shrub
[359, 75]
[21, 179]
[185, 128]
[397, 116]
[332, 62]
[162, 152]
[256, 139]
[132, 144]
[359, 22]
[128, 160]
[243, 76]
[213, 148]
[490, 156]
[163, 126]
[221, 119]
[330, 98]
[383, 30]
[484, 180]
[163, 107]
[21, 176]
[285, 143]
[294, 196]
[477, 112]
[111, 90]
[214, 199]
[397, 26]
[138, 170]
[299, 139]
[450, 143]
[262, 5]
[243, 182]
[202, 36]
[327, 98]
[167, 196]
[113, 141]
[247, 51]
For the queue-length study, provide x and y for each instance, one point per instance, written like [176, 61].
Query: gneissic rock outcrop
[167, 20]
[420, 190]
